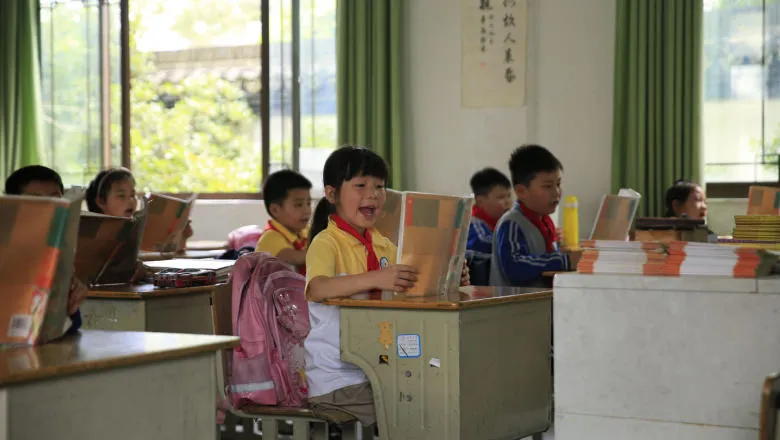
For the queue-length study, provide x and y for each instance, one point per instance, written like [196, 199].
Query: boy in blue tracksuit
[491, 189]
[525, 243]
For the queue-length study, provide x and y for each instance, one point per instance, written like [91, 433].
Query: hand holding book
[398, 278]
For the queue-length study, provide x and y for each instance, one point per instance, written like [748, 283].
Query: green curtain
[368, 52]
[20, 97]
[657, 97]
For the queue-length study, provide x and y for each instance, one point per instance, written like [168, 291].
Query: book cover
[108, 247]
[763, 200]
[615, 216]
[166, 221]
[432, 237]
[37, 235]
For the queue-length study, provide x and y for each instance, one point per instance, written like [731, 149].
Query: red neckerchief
[298, 245]
[372, 263]
[542, 222]
[481, 214]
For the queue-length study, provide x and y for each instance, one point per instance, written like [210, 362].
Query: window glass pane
[195, 95]
[70, 88]
[281, 84]
[769, 170]
[739, 119]
[115, 67]
[318, 86]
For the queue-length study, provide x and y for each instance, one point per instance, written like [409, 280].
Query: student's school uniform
[480, 238]
[333, 383]
[276, 238]
[524, 246]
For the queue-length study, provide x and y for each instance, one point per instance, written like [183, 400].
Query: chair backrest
[770, 403]
[221, 310]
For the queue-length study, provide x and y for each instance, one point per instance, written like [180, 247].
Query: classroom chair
[770, 404]
[302, 420]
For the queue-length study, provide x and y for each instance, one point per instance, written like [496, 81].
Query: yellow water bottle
[571, 223]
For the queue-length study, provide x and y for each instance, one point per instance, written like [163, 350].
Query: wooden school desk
[111, 385]
[142, 307]
[473, 365]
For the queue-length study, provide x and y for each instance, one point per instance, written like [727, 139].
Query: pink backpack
[271, 316]
[245, 236]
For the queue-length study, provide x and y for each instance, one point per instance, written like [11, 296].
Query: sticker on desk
[408, 346]
[19, 326]
[385, 334]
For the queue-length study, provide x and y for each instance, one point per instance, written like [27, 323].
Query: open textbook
[166, 221]
[107, 251]
[616, 215]
[37, 242]
[432, 233]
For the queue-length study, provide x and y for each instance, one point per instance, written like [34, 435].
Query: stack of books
[677, 258]
[705, 259]
[622, 257]
[222, 268]
[759, 231]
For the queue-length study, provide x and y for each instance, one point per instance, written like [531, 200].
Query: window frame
[265, 97]
[125, 108]
[733, 190]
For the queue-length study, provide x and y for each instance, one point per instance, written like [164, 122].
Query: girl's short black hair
[679, 192]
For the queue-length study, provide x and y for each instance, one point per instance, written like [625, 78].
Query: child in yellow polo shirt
[288, 202]
[347, 256]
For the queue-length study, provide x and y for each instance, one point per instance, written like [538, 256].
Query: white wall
[721, 212]
[568, 93]
[445, 143]
[214, 219]
[574, 83]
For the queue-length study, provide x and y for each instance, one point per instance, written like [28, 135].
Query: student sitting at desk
[40, 181]
[288, 202]
[493, 198]
[525, 243]
[687, 199]
[347, 256]
[112, 192]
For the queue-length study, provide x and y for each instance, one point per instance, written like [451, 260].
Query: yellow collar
[286, 233]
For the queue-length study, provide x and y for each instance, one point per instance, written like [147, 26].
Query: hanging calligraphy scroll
[493, 57]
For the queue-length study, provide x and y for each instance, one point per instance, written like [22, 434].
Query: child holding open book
[40, 181]
[112, 192]
[347, 255]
